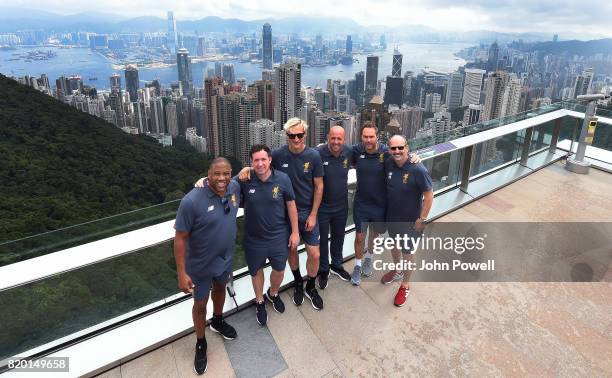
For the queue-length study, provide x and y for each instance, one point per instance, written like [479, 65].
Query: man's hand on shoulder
[200, 183]
[414, 158]
[244, 174]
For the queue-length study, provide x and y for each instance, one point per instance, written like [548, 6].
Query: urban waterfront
[90, 64]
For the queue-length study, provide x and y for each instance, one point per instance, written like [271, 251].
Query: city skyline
[442, 15]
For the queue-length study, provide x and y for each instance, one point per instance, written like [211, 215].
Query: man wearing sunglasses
[203, 259]
[410, 185]
[304, 167]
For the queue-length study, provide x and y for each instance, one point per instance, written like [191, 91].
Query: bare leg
[312, 263]
[276, 278]
[359, 242]
[198, 313]
[294, 261]
[258, 283]
[218, 297]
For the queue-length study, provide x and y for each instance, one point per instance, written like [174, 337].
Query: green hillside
[61, 166]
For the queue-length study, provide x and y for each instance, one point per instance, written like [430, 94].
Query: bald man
[409, 199]
[204, 250]
[336, 157]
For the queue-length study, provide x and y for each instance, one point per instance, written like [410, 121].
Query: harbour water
[89, 64]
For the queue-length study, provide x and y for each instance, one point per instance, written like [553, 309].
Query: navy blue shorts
[256, 257]
[203, 284]
[363, 214]
[309, 237]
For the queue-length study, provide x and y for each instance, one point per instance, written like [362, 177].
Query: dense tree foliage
[61, 166]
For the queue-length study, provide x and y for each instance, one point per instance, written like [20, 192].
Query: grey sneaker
[367, 268]
[356, 276]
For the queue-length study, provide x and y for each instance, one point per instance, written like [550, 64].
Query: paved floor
[514, 329]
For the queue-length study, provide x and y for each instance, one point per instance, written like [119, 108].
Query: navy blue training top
[335, 189]
[370, 168]
[266, 223]
[212, 232]
[405, 188]
[301, 168]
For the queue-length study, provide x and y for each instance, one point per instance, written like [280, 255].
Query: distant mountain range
[12, 19]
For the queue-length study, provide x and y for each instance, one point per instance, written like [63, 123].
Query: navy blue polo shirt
[405, 188]
[301, 168]
[266, 223]
[370, 169]
[212, 232]
[335, 189]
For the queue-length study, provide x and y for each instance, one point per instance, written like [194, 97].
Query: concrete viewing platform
[458, 329]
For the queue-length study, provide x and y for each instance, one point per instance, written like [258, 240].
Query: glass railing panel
[603, 137]
[542, 136]
[496, 152]
[41, 312]
[64, 238]
[444, 169]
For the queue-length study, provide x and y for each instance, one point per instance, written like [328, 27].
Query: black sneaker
[340, 272]
[298, 293]
[221, 327]
[315, 298]
[200, 363]
[260, 313]
[322, 280]
[276, 301]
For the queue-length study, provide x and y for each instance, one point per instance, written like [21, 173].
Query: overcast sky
[515, 15]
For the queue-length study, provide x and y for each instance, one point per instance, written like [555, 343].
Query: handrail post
[467, 167]
[555, 136]
[525, 147]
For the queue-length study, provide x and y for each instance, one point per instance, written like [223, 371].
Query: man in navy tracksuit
[333, 212]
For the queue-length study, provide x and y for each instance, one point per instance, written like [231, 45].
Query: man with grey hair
[409, 199]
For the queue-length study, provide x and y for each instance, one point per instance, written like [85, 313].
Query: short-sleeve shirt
[405, 188]
[370, 169]
[301, 168]
[212, 232]
[335, 189]
[265, 211]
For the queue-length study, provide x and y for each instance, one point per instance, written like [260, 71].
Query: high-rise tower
[267, 46]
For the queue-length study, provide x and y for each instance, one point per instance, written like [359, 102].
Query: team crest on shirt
[345, 162]
[381, 157]
[234, 200]
[405, 178]
[275, 191]
[306, 166]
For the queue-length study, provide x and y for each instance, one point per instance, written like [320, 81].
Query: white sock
[357, 262]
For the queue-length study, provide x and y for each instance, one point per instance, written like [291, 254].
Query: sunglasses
[293, 136]
[226, 205]
[397, 148]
